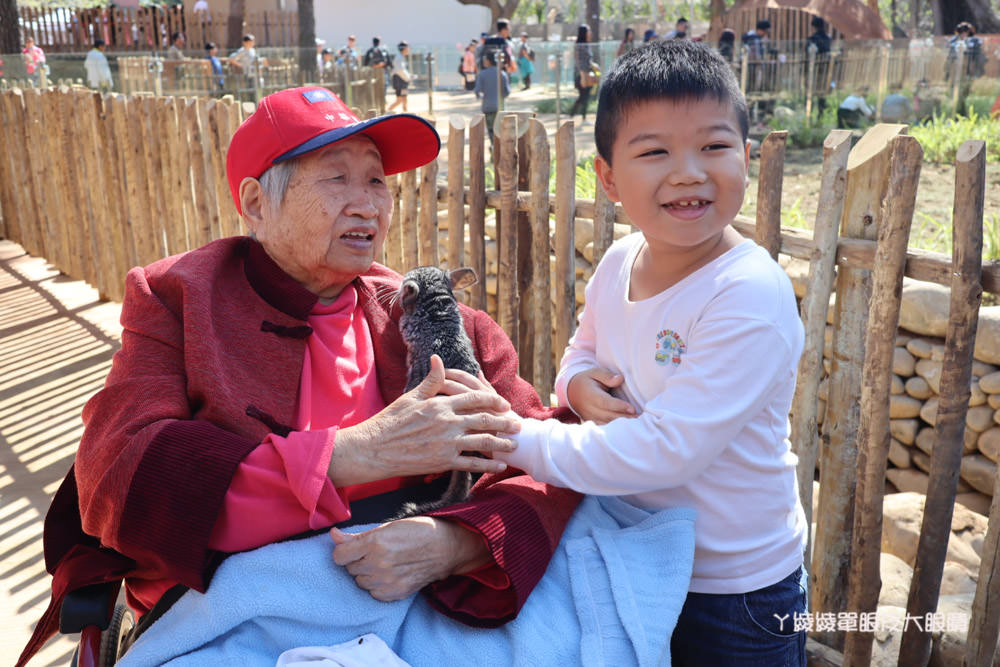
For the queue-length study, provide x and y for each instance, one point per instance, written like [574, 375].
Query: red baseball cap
[296, 121]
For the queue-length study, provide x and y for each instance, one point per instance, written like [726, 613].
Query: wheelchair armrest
[87, 606]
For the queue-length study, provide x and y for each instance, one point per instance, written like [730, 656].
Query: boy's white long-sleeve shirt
[710, 365]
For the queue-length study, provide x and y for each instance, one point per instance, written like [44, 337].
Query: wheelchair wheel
[122, 622]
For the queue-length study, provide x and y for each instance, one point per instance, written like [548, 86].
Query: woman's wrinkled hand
[426, 431]
[397, 559]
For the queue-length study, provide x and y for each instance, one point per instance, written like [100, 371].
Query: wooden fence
[64, 29]
[97, 184]
[362, 87]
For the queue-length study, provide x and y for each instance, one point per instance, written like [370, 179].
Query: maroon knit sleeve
[520, 518]
[151, 474]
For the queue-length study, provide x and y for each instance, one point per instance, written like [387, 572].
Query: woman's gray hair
[275, 182]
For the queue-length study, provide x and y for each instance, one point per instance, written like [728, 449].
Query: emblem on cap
[314, 96]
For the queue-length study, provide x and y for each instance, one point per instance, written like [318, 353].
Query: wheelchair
[104, 624]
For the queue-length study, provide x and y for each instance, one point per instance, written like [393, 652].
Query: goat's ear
[462, 277]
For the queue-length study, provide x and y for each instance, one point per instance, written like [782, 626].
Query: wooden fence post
[565, 215]
[207, 224]
[177, 199]
[769, 183]
[429, 215]
[116, 195]
[906, 156]
[9, 228]
[93, 189]
[456, 196]
[392, 251]
[408, 220]
[19, 213]
[525, 256]
[953, 404]
[541, 316]
[867, 175]
[507, 297]
[121, 128]
[154, 147]
[604, 221]
[815, 303]
[477, 207]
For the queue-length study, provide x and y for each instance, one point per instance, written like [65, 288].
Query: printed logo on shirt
[669, 347]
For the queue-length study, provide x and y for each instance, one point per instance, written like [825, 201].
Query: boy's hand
[590, 393]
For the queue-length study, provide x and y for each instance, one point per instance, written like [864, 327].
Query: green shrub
[548, 105]
[942, 135]
[803, 132]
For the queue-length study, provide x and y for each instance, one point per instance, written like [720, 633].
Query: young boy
[492, 87]
[697, 329]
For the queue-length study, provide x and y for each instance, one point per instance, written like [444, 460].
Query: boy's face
[680, 170]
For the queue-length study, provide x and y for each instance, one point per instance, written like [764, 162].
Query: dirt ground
[935, 197]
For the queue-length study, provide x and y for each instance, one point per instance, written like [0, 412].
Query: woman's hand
[426, 430]
[590, 395]
[397, 559]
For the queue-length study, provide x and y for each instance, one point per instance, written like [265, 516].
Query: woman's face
[334, 218]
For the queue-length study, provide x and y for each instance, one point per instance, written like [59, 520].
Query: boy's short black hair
[666, 70]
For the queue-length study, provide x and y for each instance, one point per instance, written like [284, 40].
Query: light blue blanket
[610, 596]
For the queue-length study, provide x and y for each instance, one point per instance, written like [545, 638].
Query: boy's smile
[680, 171]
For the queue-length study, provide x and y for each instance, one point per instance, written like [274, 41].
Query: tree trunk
[498, 10]
[307, 39]
[234, 37]
[949, 13]
[594, 19]
[10, 40]
[718, 8]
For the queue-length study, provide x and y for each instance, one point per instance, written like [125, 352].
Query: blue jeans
[744, 629]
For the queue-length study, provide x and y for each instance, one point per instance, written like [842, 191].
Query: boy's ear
[607, 178]
[252, 202]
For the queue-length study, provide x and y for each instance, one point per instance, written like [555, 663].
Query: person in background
[376, 56]
[820, 38]
[756, 40]
[176, 50]
[727, 42]
[98, 70]
[509, 60]
[822, 41]
[468, 68]
[401, 76]
[351, 56]
[972, 47]
[34, 60]
[583, 63]
[218, 75]
[627, 43]
[327, 64]
[245, 59]
[320, 45]
[491, 88]
[649, 36]
[525, 61]
[680, 30]
[852, 109]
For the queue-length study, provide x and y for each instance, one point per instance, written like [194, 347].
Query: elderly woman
[258, 395]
